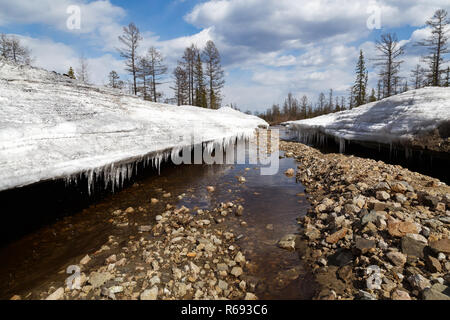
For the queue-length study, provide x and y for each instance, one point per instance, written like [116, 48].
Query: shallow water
[41, 257]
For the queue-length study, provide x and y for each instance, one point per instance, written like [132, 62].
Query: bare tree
[157, 70]
[114, 80]
[417, 76]
[447, 77]
[12, 49]
[437, 45]
[214, 74]
[143, 71]
[83, 70]
[130, 39]
[304, 106]
[388, 61]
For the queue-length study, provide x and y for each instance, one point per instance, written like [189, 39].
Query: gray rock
[437, 292]
[383, 195]
[365, 245]
[370, 217]
[222, 267]
[223, 285]
[418, 281]
[382, 186]
[145, 228]
[363, 295]
[414, 245]
[97, 279]
[445, 220]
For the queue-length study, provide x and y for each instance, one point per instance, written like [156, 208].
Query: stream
[272, 205]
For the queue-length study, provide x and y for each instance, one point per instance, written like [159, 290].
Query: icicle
[341, 145]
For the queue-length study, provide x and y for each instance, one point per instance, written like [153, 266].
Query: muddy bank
[375, 231]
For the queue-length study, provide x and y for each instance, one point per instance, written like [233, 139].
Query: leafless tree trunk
[130, 39]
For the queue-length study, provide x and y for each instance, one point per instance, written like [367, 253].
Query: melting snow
[392, 120]
[55, 127]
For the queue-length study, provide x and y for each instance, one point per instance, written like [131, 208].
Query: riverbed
[36, 263]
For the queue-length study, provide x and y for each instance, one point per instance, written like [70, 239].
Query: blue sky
[268, 47]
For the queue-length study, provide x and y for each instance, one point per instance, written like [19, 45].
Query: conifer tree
[359, 88]
[437, 45]
[199, 82]
[188, 61]
[372, 97]
[214, 74]
[181, 87]
[71, 73]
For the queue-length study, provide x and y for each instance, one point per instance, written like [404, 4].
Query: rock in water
[288, 242]
[290, 172]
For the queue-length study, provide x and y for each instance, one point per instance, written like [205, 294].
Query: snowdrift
[400, 119]
[54, 127]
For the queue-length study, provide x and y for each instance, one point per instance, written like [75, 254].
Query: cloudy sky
[268, 47]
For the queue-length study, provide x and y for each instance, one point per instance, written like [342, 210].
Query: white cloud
[94, 15]
[301, 46]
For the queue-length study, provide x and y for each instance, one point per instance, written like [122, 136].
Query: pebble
[85, 260]
[150, 294]
[397, 258]
[236, 271]
[400, 295]
[57, 295]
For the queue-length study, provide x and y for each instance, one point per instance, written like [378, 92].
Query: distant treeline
[388, 62]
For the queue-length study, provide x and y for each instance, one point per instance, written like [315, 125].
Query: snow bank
[54, 127]
[396, 119]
